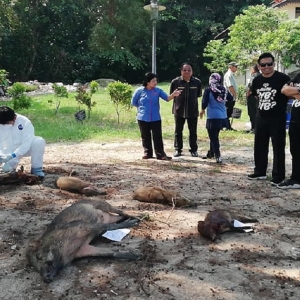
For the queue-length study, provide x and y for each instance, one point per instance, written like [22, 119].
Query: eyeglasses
[186, 70]
[266, 64]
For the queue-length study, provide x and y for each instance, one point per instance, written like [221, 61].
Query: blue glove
[7, 168]
[6, 158]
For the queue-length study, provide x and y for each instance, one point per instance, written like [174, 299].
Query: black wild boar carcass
[69, 235]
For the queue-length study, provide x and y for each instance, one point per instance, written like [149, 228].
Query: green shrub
[120, 95]
[30, 87]
[19, 99]
[3, 78]
[59, 92]
[241, 94]
[85, 97]
[94, 87]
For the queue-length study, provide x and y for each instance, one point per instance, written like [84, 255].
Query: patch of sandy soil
[178, 263]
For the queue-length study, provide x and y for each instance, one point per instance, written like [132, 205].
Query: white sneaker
[289, 184]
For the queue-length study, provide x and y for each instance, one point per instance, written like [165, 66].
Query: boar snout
[49, 271]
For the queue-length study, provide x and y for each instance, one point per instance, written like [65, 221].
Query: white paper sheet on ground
[116, 235]
[237, 223]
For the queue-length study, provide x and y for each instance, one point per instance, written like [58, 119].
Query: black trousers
[213, 134]
[267, 128]
[252, 109]
[294, 132]
[192, 126]
[149, 131]
[229, 105]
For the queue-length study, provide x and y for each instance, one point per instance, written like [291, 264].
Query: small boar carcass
[76, 185]
[159, 195]
[219, 221]
[69, 235]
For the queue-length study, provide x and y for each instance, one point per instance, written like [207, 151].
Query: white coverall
[19, 138]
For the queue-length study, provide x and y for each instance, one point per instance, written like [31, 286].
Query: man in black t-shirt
[292, 90]
[270, 120]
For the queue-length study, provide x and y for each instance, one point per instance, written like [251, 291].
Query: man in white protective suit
[17, 139]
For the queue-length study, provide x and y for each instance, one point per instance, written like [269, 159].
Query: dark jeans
[229, 105]
[252, 109]
[294, 132]
[192, 126]
[267, 128]
[148, 131]
[213, 134]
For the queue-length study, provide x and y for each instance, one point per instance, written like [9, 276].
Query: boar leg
[125, 224]
[106, 207]
[88, 250]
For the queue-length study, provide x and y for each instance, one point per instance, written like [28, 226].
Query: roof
[282, 3]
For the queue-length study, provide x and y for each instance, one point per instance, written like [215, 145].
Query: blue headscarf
[217, 89]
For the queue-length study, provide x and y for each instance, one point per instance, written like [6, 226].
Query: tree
[258, 29]
[120, 95]
[84, 96]
[59, 92]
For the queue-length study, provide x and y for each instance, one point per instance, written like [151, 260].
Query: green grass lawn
[103, 126]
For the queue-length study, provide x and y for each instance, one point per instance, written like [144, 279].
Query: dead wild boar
[159, 195]
[219, 221]
[76, 185]
[69, 235]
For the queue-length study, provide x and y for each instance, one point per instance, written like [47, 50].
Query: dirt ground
[178, 263]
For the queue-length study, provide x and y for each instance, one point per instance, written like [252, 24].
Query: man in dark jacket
[185, 107]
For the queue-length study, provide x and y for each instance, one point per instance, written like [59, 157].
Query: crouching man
[17, 139]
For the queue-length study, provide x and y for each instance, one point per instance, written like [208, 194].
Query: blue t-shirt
[147, 103]
[215, 109]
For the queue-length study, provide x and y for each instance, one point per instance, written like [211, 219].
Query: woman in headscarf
[214, 99]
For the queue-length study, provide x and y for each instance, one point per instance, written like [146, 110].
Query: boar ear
[50, 257]
[34, 244]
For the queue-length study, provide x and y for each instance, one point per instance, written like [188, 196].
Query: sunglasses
[266, 64]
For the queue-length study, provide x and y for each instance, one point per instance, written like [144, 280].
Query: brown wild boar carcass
[76, 185]
[159, 195]
[69, 235]
[219, 221]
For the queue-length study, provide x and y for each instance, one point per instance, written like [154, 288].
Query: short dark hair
[255, 68]
[295, 79]
[6, 114]
[148, 77]
[265, 55]
[186, 63]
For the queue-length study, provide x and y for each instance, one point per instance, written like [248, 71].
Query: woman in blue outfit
[146, 99]
[214, 99]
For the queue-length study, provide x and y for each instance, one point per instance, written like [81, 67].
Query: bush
[241, 94]
[120, 94]
[85, 97]
[4, 82]
[19, 99]
[30, 87]
[60, 92]
[3, 78]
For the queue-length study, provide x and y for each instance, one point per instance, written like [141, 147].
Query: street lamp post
[154, 9]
